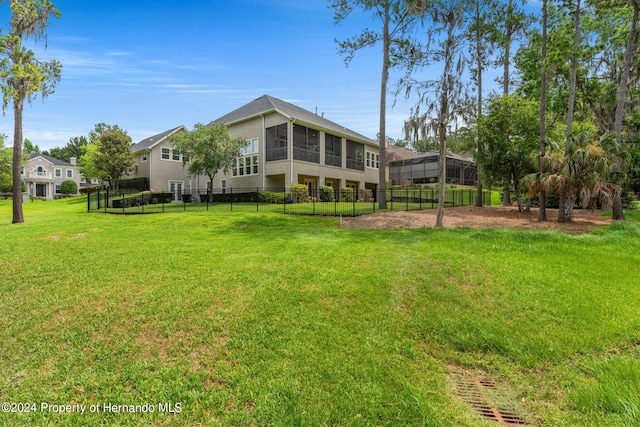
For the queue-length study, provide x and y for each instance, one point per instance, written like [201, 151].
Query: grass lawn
[255, 318]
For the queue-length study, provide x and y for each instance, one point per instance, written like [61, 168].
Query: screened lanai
[423, 169]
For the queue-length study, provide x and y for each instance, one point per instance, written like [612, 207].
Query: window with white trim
[373, 160]
[172, 155]
[58, 188]
[247, 163]
[69, 173]
[144, 157]
[58, 173]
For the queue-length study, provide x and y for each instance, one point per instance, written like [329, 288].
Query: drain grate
[477, 393]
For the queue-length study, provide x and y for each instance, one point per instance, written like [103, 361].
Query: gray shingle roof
[155, 139]
[53, 160]
[267, 104]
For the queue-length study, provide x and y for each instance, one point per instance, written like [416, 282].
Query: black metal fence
[295, 200]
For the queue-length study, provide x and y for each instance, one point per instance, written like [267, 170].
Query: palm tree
[583, 169]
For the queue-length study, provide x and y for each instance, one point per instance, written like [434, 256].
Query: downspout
[264, 152]
[290, 142]
[150, 168]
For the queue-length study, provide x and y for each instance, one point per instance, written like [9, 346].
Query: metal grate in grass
[480, 393]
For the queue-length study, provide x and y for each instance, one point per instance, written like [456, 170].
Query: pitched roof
[155, 139]
[398, 153]
[52, 160]
[268, 104]
[420, 157]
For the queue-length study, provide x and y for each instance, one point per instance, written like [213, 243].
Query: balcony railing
[276, 154]
[331, 160]
[41, 175]
[355, 164]
[306, 155]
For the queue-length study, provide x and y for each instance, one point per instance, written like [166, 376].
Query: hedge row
[144, 198]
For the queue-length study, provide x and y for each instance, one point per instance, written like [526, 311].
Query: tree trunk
[507, 49]
[382, 176]
[542, 213]
[617, 208]
[567, 191]
[479, 201]
[442, 174]
[570, 202]
[18, 215]
[506, 194]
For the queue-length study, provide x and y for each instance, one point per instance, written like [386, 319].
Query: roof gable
[152, 141]
[268, 104]
[52, 160]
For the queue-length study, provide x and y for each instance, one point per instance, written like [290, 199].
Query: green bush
[140, 184]
[366, 194]
[91, 189]
[299, 193]
[68, 187]
[348, 194]
[144, 198]
[271, 197]
[326, 193]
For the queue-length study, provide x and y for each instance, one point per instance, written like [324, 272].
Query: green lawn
[256, 318]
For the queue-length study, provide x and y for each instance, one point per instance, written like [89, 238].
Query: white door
[176, 188]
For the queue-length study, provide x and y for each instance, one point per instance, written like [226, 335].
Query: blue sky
[149, 66]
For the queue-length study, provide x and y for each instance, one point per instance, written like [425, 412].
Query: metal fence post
[406, 200]
[353, 203]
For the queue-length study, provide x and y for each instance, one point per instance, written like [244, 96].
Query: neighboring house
[288, 145]
[43, 175]
[423, 169]
[156, 160]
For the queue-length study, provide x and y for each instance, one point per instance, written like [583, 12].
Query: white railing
[44, 175]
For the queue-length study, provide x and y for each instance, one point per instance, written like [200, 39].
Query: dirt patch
[475, 217]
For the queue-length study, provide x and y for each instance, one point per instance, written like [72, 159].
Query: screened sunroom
[423, 169]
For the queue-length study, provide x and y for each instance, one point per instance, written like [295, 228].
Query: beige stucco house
[156, 160]
[43, 175]
[286, 145]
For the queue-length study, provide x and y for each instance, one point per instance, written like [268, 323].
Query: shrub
[271, 197]
[348, 194]
[366, 194]
[68, 187]
[326, 193]
[91, 189]
[299, 193]
[140, 184]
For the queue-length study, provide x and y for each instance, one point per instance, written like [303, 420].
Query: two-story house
[156, 160]
[43, 175]
[286, 145]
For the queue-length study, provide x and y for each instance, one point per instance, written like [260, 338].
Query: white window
[223, 184]
[58, 173]
[69, 173]
[58, 189]
[247, 163]
[176, 156]
[372, 160]
[251, 147]
[144, 157]
[166, 154]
